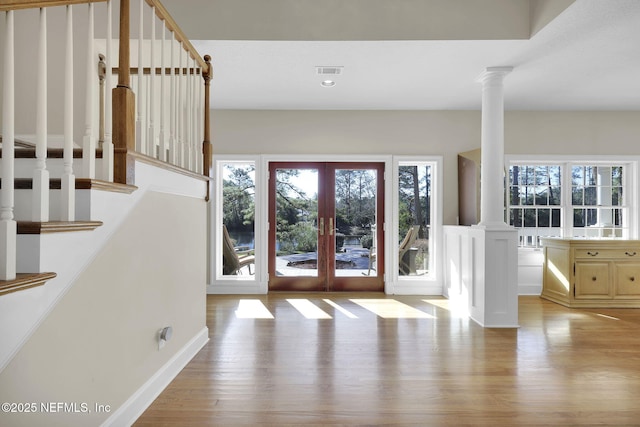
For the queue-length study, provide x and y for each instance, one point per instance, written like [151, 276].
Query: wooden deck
[412, 363]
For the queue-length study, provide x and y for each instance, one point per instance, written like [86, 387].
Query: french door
[325, 226]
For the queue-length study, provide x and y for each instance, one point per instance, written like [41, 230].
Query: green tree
[355, 200]
[414, 199]
[238, 195]
[296, 214]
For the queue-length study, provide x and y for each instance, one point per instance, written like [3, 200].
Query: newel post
[124, 107]
[206, 144]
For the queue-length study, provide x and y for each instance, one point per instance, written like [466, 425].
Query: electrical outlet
[164, 335]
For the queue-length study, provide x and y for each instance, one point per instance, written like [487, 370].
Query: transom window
[568, 199]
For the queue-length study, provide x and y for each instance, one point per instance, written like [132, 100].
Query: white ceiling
[588, 58]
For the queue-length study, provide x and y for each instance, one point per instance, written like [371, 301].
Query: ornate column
[492, 157]
[493, 298]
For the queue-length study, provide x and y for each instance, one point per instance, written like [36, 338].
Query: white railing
[171, 123]
[167, 134]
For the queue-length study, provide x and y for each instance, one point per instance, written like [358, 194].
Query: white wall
[353, 19]
[443, 133]
[99, 344]
[352, 132]
[572, 132]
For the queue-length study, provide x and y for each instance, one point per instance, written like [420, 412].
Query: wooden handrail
[33, 4]
[164, 15]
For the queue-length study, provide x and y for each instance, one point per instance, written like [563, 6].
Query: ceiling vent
[329, 71]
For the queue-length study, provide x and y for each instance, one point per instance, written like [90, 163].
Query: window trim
[435, 233]
[224, 284]
[630, 183]
[430, 284]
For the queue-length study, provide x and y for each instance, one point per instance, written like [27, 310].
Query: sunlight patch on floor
[391, 309]
[308, 309]
[441, 303]
[252, 309]
[607, 317]
[341, 309]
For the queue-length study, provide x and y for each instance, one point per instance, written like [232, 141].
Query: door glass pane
[238, 208]
[355, 222]
[297, 222]
[414, 205]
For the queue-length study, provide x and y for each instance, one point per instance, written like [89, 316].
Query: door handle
[321, 226]
[331, 226]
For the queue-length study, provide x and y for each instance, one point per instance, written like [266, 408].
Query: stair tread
[24, 281]
[19, 143]
[24, 152]
[30, 227]
[81, 184]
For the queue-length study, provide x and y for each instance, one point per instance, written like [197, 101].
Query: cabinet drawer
[625, 253]
[627, 280]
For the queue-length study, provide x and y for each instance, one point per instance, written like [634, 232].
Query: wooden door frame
[302, 283]
[326, 266]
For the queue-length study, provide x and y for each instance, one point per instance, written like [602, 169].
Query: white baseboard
[413, 288]
[139, 401]
[529, 289]
[238, 288]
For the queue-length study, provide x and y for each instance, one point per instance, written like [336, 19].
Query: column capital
[491, 73]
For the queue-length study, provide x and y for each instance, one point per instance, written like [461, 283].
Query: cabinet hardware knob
[633, 279]
[630, 253]
[594, 253]
[593, 278]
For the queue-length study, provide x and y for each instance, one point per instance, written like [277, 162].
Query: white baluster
[151, 138]
[162, 150]
[172, 103]
[68, 205]
[180, 110]
[194, 118]
[7, 223]
[107, 146]
[185, 108]
[139, 113]
[189, 111]
[89, 141]
[40, 204]
[200, 125]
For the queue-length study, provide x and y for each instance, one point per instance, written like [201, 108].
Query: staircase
[25, 157]
[52, 187]
[62, 201]
[102, 206]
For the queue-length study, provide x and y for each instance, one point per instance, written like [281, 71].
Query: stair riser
[24, 168]
[24, 203]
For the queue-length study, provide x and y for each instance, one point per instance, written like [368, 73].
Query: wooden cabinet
[591, 272]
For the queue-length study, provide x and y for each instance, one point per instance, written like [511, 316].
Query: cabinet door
[627, 276]
[592, 280]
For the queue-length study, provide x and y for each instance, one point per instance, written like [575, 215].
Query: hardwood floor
[425, 366]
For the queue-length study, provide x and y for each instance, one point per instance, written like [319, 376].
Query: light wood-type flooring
[399, 360]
